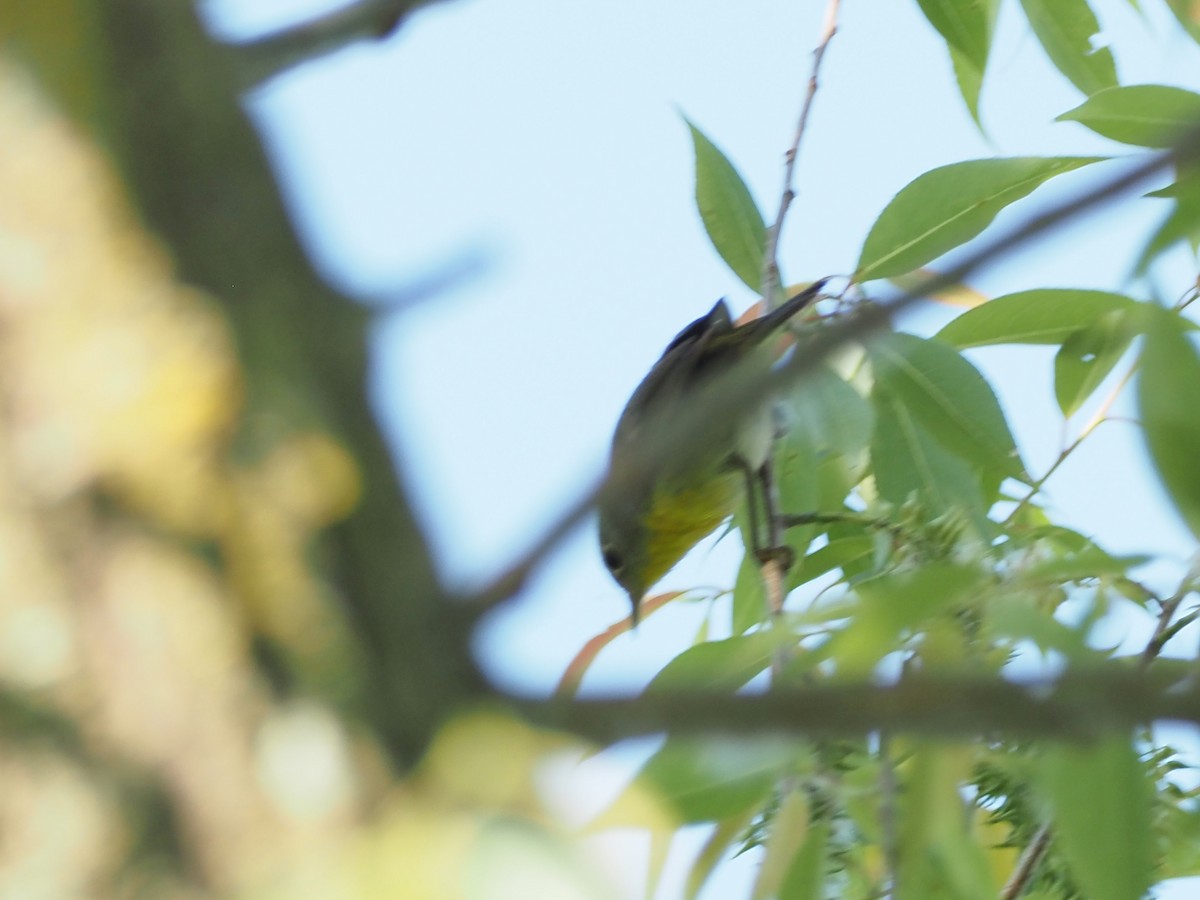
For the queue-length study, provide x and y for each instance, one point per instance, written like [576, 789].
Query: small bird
[647, 526]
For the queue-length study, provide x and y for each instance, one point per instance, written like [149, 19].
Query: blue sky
[547, 139]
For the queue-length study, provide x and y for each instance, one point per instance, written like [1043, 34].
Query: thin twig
[265, 57]
[1027, 864]
[1163, 629]
[771, 287]
[1097, 419]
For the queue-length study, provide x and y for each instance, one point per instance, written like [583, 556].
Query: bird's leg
[775, 549]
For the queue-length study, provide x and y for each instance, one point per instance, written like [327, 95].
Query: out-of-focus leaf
[959, 294]
[714, 851]
[1091, 563]
[1087, 356]
[906, 460]
[789, 831]
[970, 83]
[1181, 224]
[1043, 316]
[731, 217]
[711, 779]
[749, 596]
[1147, 115]
[965, 25]
[1066, 29]
[1169, 412]
[893, 604]
[831, 414]
[1101, 804]
[948, 396]
[949, 205]
[806, 877]
[834, 555]
[1188, 14]
[718, 665]
[1018, 616]
[938, 858]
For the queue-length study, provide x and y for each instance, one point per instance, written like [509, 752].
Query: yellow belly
[681, 518]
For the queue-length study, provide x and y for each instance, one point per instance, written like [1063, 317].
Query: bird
[648, 522]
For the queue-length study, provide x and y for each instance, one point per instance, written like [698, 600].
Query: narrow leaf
[1181, 224]
[950, 399]
[806, 877]
[894, 605]
[714, 852]
[1169, 412]
[731, 218]
[718, 665]
[907, 460]
[712, 779]
[1043, 316]
[1087, 356]
[1066, 29]
[749, 596]
[1188, 14]
[965, 25]
[1147, 115]
[946, 207]
[970, 83]
[1101, 812]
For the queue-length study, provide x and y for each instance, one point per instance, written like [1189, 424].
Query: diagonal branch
[698, 420]
[771, 287]
[265, 57]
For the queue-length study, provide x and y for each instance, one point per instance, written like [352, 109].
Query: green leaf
[789, 830]
[749, 596]
[806, 876]
[1101, 802]
[949, 397]
[1087, 356]
[893, 605]
[1090, 563]
[714, 852]
[837, 553]
[731, 218]
[1147, 115]
[1182, 224]
[723, 666]
[712, 779]
[970, 83]
[937, 856]
[947, 206]
[1019, 616]
[966, 26]
[907, 460]
[1188, 14]
[831, 414]
[1066, 29]
[1170, 415]
[1044, 316]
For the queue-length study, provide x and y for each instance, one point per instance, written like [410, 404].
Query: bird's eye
[612, 559]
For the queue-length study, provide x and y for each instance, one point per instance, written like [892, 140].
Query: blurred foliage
[172, 665]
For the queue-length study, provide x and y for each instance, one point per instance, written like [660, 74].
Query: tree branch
[1081, 705]
[204, 184]
[262, 58]
[771, 287]
[699, 420]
